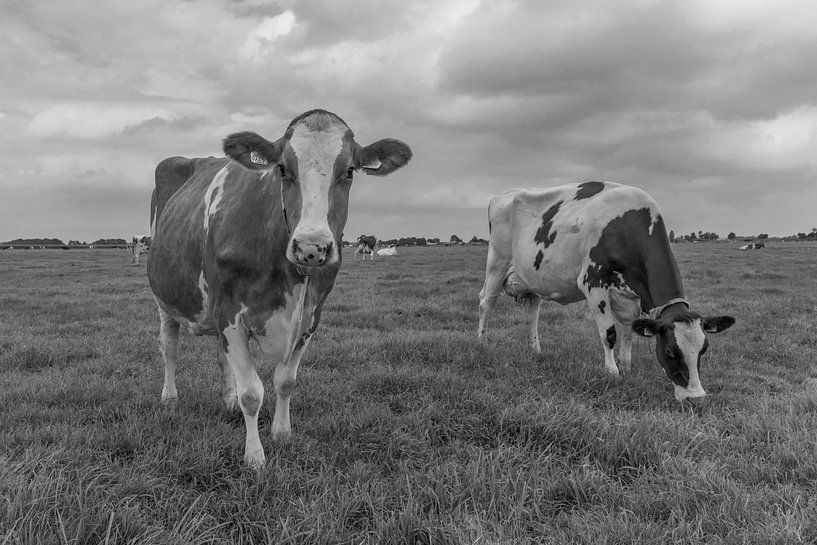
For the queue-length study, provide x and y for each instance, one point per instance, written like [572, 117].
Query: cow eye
[669, 352]
[282, 171]
[350, 173]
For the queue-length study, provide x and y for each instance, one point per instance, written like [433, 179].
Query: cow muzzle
[313, 252]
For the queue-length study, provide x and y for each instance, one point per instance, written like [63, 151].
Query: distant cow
[137, 249]
[365, 246]
[391, 250]
[246, 247]
[605, 243]
[752, 246]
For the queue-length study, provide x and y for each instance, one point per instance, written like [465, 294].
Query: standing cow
[605, 243]
[365, 246]
[137, 248]
[248, 247]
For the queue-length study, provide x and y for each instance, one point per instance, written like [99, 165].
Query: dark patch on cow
[627, 255]
[611, 337]
[602, 306]
[588, 189]
[543, 235]
[538, 260]
[302, 340]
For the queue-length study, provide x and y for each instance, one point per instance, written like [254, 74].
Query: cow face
[314, 162]
[680, 340]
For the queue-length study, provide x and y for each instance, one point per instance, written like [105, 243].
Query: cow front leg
[228, 393]
[169, 348]
[249, 388]
[532, 306]
[625, 346]
[599, 304]
[286, 375]
[495, 270]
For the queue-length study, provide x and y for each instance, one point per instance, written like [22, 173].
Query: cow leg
[228, 394]
[599, 303]
[286, 374]
[169, 347]
[532, 306]
[249, 388]
[625, 346]
[495, 270]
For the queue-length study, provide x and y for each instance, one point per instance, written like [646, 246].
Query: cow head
[315, 162]
[680, 339]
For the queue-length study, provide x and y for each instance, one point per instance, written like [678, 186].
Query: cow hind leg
[228, 393]
[249, 389]
[599, 304]
[169, 347]
[495, 271]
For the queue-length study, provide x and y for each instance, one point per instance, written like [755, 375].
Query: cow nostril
[320, 249]
[311, 256]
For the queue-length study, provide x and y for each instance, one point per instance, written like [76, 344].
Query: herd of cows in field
[246, 247]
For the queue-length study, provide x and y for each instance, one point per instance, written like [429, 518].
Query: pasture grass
[405, 430]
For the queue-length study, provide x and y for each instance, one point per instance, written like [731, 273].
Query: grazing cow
[752, 246]
[391, 250]
[365, 246]
[247, 247]
[137, 249]
[605, 243]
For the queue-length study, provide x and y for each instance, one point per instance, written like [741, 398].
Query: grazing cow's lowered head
[680, 338]
[315, 161]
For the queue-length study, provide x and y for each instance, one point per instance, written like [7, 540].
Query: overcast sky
[709, 105]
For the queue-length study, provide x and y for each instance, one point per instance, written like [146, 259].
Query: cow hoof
[281, 436]
[230, 403]
[256, 461]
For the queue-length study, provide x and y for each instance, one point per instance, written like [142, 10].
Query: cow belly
[552, 283]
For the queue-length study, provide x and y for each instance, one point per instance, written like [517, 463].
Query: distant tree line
[701, 236]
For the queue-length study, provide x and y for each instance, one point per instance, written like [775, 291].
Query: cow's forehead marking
[689, 335]
[316, 150]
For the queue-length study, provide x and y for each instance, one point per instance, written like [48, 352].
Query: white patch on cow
[690, 338]
[153, 224]
[655, 215]
[283, 328]
[210, 202]
[387, 251]
[316, 151]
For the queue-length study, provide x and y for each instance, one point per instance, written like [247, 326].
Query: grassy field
[405, 430]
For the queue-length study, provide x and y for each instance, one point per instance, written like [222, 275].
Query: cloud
[257, 46]
[90, 120]
[708, 106]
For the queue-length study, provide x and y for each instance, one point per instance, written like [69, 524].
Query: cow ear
[252, 151]
[625, 305]
[383, 157]
[645, 327]
[716, 324]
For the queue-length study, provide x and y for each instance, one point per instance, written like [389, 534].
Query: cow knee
[285, 387]
[611, 337]
[251, 403]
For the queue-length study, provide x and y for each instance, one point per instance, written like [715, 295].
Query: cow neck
[661, 281]
[284, 211]
[670, 305]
